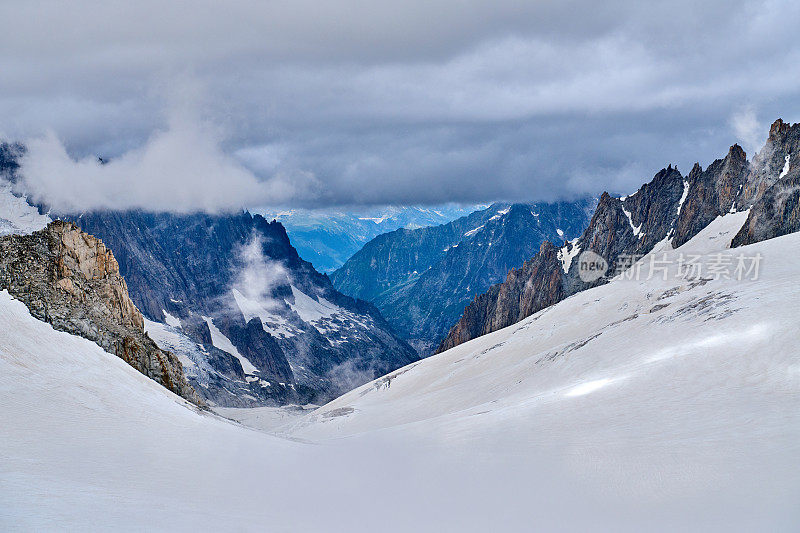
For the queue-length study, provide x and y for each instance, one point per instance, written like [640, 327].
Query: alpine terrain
[348, 267]
[251, 322]
[329, 237]
[422, 279]
[661, 403]
[663, 214]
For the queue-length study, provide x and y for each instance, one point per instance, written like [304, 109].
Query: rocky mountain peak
[253, 322]
[667, 210]
[70, 279]
[772, 190]
[769, 164]
[736, 153]
[86, 258]
[778, 129]
[422, 279]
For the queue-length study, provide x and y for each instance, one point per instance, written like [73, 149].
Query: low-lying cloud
[749, 131]
[179, 169]
[259, 275]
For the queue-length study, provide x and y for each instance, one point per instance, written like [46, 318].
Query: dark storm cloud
[319, 103]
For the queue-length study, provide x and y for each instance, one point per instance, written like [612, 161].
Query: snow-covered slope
[638, 405]
[705, 347]
[666, 388]
[16, 215]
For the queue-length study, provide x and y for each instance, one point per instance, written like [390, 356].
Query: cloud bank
[259, 276]
[181, 169]
[395, 102]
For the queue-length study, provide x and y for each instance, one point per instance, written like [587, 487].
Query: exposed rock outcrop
[767, 165]
[631, 225]
[712, 192]
[776, 213]
[71, 280]
[526, 290]
[774, 185]
[286, 334]
[668, 210]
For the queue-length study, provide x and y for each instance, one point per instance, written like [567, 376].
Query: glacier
[642, 404]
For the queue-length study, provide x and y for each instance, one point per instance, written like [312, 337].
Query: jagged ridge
[187, 266]
[668, 210]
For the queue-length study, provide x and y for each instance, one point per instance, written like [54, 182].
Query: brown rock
[71, 280]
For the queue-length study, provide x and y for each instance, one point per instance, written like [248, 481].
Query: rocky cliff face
[71, 280]
[253, 323]
[422, 279]
[773, 187]
[629, 225]
[667, 211]
[525, 290]
[712, 193]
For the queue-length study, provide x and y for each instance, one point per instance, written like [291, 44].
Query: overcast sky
[214, 105]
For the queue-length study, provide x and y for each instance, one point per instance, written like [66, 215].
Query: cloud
[259, 276]
[409, 102]
[180, 169]
[748, 130]
[347, 376]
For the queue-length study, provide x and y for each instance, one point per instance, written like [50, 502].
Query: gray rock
[769, 186]
[541, 282]
[187, 266]
[71, 280]
[774, 187]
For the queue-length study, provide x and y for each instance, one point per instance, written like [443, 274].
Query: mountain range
[254, 322]
[422, 279]
[329, 237]
[662, 215]
[649, 405]
[249, 320]
[628, 379]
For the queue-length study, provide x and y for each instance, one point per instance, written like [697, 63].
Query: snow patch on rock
[274, 324]
[637, 230]
[219, 340]
[311, 310]
[501, 213]
[567, 253]
[472, 232]
[785, 166]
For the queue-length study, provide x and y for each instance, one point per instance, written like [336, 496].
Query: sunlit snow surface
[636, 406]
